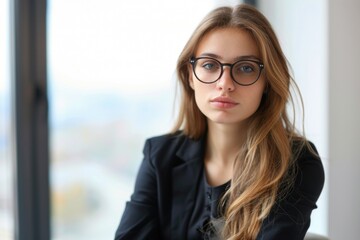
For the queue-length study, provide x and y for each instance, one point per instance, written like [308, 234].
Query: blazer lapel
[185, 179]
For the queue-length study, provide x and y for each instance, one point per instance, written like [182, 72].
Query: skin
[227, 119]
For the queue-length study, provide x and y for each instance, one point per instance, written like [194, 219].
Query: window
[111, 68]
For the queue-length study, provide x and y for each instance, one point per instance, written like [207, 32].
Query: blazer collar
[192, 149]
[186, 179]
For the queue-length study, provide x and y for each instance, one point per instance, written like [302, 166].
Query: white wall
[344, 119]
[301, 26]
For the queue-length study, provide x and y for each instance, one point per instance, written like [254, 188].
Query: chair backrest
[313, 236]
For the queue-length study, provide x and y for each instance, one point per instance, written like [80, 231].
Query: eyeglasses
[209, 70]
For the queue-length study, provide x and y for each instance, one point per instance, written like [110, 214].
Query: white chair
[313, 236]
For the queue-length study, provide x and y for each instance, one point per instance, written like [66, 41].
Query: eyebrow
[245, 57]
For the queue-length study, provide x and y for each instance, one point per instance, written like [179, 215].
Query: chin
[225, 121]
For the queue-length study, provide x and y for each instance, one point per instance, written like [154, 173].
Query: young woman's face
[225, 101]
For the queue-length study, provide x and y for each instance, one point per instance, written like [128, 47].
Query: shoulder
[165, 143]
[172, 149]
[305, 155]
[290, 216]
[309, 169]
[165, 139]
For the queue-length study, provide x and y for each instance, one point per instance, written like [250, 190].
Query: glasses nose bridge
[225, 65]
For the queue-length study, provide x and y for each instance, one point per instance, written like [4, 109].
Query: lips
[223, 102]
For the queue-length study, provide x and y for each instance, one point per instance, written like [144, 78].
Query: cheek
[201, 92]
[198, 91]
[255, 96]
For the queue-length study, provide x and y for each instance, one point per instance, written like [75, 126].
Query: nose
[226, 83]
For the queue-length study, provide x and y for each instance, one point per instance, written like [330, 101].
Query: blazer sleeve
[140, 217]
[290, 217]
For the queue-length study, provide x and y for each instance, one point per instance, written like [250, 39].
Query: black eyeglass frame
[193, 61]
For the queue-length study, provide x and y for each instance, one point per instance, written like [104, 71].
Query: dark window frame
[28, 52]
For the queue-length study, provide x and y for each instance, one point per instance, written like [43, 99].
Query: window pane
[111, 85]
[6, 157]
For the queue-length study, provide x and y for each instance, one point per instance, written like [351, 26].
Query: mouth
[223, 102]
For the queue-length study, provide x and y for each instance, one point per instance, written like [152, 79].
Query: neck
[224, 142]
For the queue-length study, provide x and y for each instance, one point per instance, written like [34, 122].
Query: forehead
[228, 44]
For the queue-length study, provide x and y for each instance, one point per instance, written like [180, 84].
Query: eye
[208, 65]
[245, 68]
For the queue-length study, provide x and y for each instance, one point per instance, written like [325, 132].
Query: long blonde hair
[265, 159]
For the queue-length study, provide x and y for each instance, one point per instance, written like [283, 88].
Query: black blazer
[165, 192]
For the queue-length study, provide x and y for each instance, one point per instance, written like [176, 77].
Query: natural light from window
[111, 85]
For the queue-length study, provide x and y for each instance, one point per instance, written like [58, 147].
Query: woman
[234, 166]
